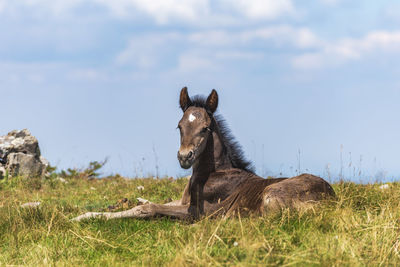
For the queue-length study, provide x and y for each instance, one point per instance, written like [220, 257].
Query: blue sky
[300, 82]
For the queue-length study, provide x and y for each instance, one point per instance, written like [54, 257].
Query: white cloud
[238, 55]
[261, 9]
[198, 12]
[162, 11]
[145, 51]
[31, 73]
[283, 35]
[193, 61]
[212, 61]
[277, 35]
[344, 50]
[35, 7]
[198, 49]
[206, 49]
[307, 61]
[212, 38]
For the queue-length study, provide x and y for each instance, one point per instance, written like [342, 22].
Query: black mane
[233, 148]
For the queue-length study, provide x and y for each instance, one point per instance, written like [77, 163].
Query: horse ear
[212, 101]
[184, 99]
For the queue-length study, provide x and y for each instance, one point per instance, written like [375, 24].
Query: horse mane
[233, 148]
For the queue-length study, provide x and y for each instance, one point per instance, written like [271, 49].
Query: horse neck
[214, 157]
[221, 158]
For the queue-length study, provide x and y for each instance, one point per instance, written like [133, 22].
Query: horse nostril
[185, 157]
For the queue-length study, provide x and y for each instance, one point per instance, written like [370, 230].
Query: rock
[20, 155]
[140, 188]
[62, 180]
[30, 205]
[384, 187]
[44, 161]
[19, 141]
[25, 165]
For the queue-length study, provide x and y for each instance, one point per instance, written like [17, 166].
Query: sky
[305, 86]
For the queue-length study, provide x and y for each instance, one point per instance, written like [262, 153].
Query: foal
[222, 182]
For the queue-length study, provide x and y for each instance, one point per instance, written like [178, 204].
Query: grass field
[362, 227]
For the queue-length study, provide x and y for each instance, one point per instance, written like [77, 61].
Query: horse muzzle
[186, 159]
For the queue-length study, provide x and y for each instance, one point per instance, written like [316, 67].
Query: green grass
[362, 227]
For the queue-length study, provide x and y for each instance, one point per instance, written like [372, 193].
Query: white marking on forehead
[192, 118]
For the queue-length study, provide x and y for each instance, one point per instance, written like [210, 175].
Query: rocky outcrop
[20, 155]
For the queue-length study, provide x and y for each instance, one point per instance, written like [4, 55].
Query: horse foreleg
[142, 201]
[143, 211]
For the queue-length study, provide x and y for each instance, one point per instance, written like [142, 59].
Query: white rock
[62, 180]
[140, 187]
[17, 142]
[92, 188]
[20, 154]
[235, 244]
[44, 161]
[384, 187]
[30, 205]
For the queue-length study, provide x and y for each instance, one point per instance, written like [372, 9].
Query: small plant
[92, 171]
[51, 171]
[69, 173]
[94, 167]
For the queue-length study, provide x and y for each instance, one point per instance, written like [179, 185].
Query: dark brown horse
[222, 182]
